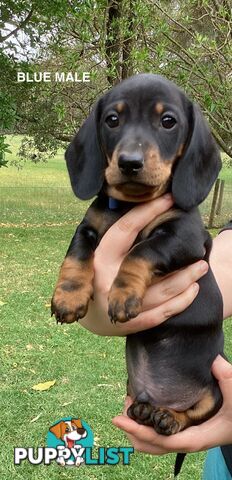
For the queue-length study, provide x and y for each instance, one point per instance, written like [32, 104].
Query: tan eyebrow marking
[120, 107]
[159, 108]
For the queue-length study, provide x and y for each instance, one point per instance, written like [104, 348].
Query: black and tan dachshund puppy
[144, 138]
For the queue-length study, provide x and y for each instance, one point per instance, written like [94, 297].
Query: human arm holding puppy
[158, 303]
[163, 300]
[168, 297]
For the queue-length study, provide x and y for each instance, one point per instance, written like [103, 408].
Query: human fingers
[174, 284]
[145, 320]
[143, 438]
[155, 316]
[215, 431]
[131, 427]
[192, 439]
[137, 443]
[145, 447]
[120, 237]
[146, 439]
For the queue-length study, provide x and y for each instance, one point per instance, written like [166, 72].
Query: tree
[23, 30]
[187, 41]
[195, 41]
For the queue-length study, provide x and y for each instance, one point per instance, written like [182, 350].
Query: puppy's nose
[130, 163]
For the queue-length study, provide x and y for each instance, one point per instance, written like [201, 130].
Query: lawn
[37, 193]
[38, 217]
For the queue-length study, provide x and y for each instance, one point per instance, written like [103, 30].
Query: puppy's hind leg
[207, 406]
[168, 421]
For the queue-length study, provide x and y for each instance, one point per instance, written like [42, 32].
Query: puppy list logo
[70, 443]
[70, 437]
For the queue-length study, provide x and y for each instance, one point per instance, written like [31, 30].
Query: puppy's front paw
[73, 290]
[127, 292]
[123, 305]
[69, 306]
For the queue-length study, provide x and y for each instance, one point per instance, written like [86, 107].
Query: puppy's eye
[112, 121]
[168, 121]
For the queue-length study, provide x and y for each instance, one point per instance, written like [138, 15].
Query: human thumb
[222, 370]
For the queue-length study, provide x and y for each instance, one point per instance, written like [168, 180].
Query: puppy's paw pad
[165, 422]
[141, 413]
[139, 410]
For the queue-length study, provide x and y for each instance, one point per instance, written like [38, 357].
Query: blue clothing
[215, 467]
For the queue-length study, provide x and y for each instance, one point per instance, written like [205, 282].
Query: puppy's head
[142, 139]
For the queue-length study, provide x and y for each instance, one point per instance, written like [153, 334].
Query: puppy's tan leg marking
[167, 421]
[73, 290]
[128, 289]
[202, 409]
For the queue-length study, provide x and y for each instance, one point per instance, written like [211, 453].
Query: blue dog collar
[113, 203]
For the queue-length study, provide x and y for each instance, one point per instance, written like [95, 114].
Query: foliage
[3, 150]
[187, 41]
[193, 44]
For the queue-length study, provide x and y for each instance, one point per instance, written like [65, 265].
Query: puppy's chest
[102, 220]
[172, 214]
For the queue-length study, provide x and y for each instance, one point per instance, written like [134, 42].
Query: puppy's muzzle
[130, 163]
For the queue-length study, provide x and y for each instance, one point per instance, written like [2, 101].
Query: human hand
[166, 298]
[214, 432]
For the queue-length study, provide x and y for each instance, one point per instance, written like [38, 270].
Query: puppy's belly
[163, 373]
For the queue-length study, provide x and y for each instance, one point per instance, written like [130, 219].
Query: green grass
[89, 370]
[34, 349]
[37, 193]
[226, 212]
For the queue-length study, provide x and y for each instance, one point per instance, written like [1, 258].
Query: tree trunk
[113, 47]
[127, 66]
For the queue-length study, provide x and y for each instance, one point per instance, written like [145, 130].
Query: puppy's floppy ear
[85, 160]
[198, 168]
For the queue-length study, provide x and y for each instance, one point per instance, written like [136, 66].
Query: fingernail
[167, 196]
[195, 288]
[203, 266]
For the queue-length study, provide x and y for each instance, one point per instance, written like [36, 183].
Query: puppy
[144, 138]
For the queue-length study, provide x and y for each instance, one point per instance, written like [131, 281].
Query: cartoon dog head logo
[70, 436]
[69, 431]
